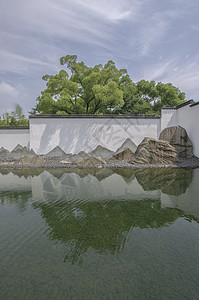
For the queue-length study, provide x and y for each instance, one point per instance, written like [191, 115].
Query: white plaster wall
[9, 138]
[76, 134]
[169, 117]
[188, 117]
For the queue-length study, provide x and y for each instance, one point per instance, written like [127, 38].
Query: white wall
[76, 134]
[168, 117]
[9, 138]
[186, 116]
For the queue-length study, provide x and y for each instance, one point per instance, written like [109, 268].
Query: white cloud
[182, 72]
[7, 89]
[113, 10]
[153, 32]
[145, 36]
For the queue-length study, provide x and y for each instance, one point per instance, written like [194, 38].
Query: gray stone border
[13, 127]
[95, 116]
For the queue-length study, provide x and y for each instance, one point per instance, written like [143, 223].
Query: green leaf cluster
[14, 118]
[102, 90]
[88, 90]
[148, 97]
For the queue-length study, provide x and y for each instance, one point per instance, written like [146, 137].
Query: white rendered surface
[188, 117]
[169, 117]
[74, 135]
[9, 138]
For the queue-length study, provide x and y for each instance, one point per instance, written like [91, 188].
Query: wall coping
[189, 102]
[194, 104]
[13, 127]
[94, 116]
[169, 107]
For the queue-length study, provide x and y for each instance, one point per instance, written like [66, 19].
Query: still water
[99, 234]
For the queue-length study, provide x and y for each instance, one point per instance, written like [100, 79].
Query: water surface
[99, 234]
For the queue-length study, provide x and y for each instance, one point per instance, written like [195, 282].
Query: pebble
[55, 162]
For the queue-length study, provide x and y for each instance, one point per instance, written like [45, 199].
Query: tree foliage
[101, 90]
[89, 90]
[14, 118]
[147, 97]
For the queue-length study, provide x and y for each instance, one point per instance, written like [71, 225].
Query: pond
[99, 234]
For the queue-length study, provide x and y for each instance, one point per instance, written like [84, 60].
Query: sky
[153, 39]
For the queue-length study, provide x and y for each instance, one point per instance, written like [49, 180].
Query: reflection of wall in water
[11, 182]
[167, 185]
[188, 202]
[69, 187]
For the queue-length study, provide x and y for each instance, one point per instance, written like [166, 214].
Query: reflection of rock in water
[100, 174]
[64, 188]
[169, 181]
[127, 174]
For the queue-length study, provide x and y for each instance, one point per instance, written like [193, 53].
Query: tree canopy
[14, 118]
[102, 90]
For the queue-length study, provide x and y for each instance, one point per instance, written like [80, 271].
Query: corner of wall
[169, 117]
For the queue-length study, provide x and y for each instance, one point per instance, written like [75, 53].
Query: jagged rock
[178, 138]
[92, 161]
[3, 151]
[124, 154]
[56, 152]
[127, 144]
[18, 152]
[35, 160]
[102, 152]
[80, 155]
[17, 147]
[153, 151]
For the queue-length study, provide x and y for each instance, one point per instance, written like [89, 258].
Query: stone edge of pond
[184, 163]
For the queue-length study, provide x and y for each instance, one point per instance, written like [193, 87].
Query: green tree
[14, 118]
[147, 97]
[88, 90]
[102, 89]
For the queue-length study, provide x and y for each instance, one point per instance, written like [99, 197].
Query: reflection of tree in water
[19, 198]
[102, 226]
[169, 181]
